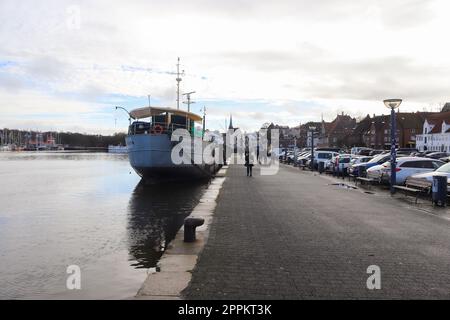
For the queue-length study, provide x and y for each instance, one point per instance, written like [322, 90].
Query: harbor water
[85, 209]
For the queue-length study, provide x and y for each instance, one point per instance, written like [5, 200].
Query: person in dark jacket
[248, 164]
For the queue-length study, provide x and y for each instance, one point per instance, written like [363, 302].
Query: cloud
[272, 59]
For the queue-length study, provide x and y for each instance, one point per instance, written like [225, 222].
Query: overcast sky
[64, 65]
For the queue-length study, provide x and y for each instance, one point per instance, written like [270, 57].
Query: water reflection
[61, 155]
[155, 214]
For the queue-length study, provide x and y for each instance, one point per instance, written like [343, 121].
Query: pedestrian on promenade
[248, 163]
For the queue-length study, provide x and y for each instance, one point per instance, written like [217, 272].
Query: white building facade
[435, 136]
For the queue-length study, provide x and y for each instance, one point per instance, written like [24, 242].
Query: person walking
[248, 163]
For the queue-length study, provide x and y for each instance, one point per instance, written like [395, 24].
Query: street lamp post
[312, 129]
[393, 104]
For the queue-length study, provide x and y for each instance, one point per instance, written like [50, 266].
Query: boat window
[159, 119]
[178, 121]
[139, 127]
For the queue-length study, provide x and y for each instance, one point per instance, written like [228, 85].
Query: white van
[323, 156]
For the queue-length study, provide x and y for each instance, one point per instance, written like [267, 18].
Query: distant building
[435, 133]
[287, 136]
[375, 132]
[338, 130]
[230, 126]
[304, 139]
[446, 107]
[328, 134]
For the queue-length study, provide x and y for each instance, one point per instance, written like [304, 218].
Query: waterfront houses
[422, 130]
[337, 132]
[435, 133]
[374, 132]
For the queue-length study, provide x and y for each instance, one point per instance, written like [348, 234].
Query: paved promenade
[295, 236]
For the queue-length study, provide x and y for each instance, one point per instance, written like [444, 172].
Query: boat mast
[204, 121]
[189, 102]
[178, 83]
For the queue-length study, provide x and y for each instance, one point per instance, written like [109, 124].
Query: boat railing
[137, 128]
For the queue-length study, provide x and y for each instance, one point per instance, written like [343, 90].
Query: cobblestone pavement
[295, 236]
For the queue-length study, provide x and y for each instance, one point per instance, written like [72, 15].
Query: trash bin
[439, 190]
[321, 167]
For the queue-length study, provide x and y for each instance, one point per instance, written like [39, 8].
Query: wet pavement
[295, 235]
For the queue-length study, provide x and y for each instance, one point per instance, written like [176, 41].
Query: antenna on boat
[149, 106]
[178, 82]
[188, 102]
[204, 120]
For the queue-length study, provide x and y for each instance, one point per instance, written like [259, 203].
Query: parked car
[304, 158]
[408, 166]
[443, 170]
[421, 153]
[406, 151]
[285, 155]
[375, 152]
[301, 154]
[343, 162]
[365, 152]
[357, 150]
[291, 156]
[437, 155]
[323, 156]
[360, 159]
[282, 154]
[358, 169]
[328, 149]
[376, 172]
[357, 160]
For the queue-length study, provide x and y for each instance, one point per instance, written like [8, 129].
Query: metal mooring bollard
[190, 224]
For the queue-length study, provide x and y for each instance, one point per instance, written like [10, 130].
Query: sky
[64, 65]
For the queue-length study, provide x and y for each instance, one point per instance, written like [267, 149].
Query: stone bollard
[190, 224]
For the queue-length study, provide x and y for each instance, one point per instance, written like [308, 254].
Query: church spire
[231, 122]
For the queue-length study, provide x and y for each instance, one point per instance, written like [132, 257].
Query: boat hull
[150, 157]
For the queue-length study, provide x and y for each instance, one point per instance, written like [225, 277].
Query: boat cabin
[162, 121]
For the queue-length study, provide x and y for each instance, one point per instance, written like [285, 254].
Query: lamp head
[392, 103]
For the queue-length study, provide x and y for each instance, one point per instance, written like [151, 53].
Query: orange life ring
[158, 129]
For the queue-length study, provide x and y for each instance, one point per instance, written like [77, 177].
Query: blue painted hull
[150, 157]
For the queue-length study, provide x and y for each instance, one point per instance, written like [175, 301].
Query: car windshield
[444, 168]
[324, 156]
[377, 158]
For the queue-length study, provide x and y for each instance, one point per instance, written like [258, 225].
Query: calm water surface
[87, 209]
